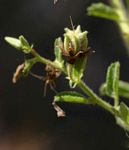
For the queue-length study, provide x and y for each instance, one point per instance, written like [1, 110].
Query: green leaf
[102, 89]
[79, 67]
[28, 65]
[124, 111]
[103, 11]
[123, 89]
[58, 52]
[112, 80]
[24, 42]
[25, 45]
[76, 70]
[123, 119]
[71, 97]
[122, 123]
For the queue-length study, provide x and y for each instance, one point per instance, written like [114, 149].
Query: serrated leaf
[112, 80]
[103, 11]
[28, 65]
[71, 97]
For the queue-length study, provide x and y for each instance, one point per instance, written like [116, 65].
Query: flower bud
[21, 43]
[75, 39]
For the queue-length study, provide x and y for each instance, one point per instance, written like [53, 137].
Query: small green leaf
[58, 52]
[124, 111]
[103, 11]
[76, 70]
[79, 67]
[28, 65]
[123, 89]
[102, 89]
[71, 97]
[25, 45]
[24, 42]
[123, 119]
[122, 123]
[112, 80]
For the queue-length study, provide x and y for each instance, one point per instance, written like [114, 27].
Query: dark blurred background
[27, 118]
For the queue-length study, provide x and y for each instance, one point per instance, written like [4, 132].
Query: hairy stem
[97, 99]
[46, 61]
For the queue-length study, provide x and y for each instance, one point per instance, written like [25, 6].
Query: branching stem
[97, 100]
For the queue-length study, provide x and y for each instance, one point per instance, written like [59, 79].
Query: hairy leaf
[25, 45]
[123, 89]
[76, 70]
[72, 97]
[122, 123]
[103, 11]
[124, 110]
[79, 67]
[28, 65]
[112, 80]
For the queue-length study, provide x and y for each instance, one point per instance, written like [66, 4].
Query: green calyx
[76, 39]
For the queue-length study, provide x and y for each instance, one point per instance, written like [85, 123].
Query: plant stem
[46, 61]
[97, 99]
[123, 23]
